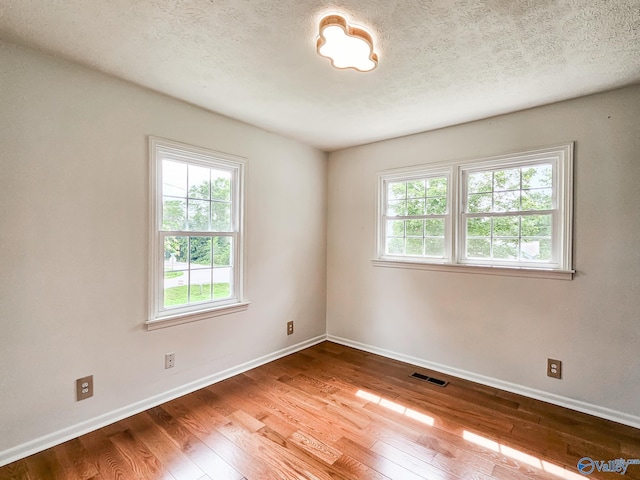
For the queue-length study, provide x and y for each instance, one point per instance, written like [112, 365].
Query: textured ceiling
[442, 62]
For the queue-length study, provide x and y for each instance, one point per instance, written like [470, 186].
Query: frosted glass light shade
[345, 45]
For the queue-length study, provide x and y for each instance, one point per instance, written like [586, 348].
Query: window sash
[421, 175]
[233, 284]
[471, 260]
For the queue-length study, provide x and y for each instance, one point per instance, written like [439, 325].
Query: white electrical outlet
[170, 360]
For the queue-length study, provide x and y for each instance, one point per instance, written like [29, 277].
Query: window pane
[536, 225]
[221, 216]
[396, 190]
[538, 176]
[395, 246]
[175, 262]
[200, 286]
[414, 228]
[508, 179]
[222, 254]
[437, 206]
[545, 250]
[434, 247]
[174, 179]
[199, 185]
[479, 203]
[437, 187]
[174, 214]
[536, 249]
[176, 273]
[222, 278]
[481, 182]
[506, 201]
[415, 207]
[176, 250]
[220, 185]
[505, 248]
[397, 208]
[199, 215]
[537, 199]
[415, 189]
[478, 247]
[200, 252]
[415, 246]
[506, 227]
[395, 228]
[176, 295]
[434, 227]
[479, 227]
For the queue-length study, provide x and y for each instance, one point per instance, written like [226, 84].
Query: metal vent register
[435, 381]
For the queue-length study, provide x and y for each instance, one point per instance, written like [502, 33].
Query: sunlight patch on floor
[521, 456]
[396, 407]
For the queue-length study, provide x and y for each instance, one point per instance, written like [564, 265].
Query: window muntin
[505, 211]
[197, 226]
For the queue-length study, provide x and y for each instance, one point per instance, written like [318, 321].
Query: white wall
[74, 252]
[74, 245]
[504, 328]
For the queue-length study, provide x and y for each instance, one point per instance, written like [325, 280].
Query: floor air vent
[435, 381]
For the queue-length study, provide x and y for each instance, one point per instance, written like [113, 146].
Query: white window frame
[159, 150]
[561, 158]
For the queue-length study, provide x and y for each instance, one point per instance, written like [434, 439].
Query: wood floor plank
[45, 465]
[73, 457]
[354, 469]
[380, 463]
[331, 412]
[193, 437]
[138, 457]
[411, 462]
[464, 465]
[315, 447]
[163, 448]
[251, 467]
[104, 455]
[504, 473]
[15, 471]
[284, 462]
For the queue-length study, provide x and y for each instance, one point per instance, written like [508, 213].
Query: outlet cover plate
[554, 368]
[84, 387]
[169, 360]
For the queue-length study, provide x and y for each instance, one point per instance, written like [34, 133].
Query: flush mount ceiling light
[347, 46]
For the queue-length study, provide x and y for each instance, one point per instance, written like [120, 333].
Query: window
[512, 213]
[196, 230]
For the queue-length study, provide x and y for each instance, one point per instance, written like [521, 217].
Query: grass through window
[179, 295]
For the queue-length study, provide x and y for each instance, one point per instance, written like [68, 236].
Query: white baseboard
[55, 438]
[602, 412]
[68, 433]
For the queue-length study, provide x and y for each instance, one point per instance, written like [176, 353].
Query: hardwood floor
[332, 412]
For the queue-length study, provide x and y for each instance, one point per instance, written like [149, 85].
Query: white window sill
[196, 316]
[479, 269]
